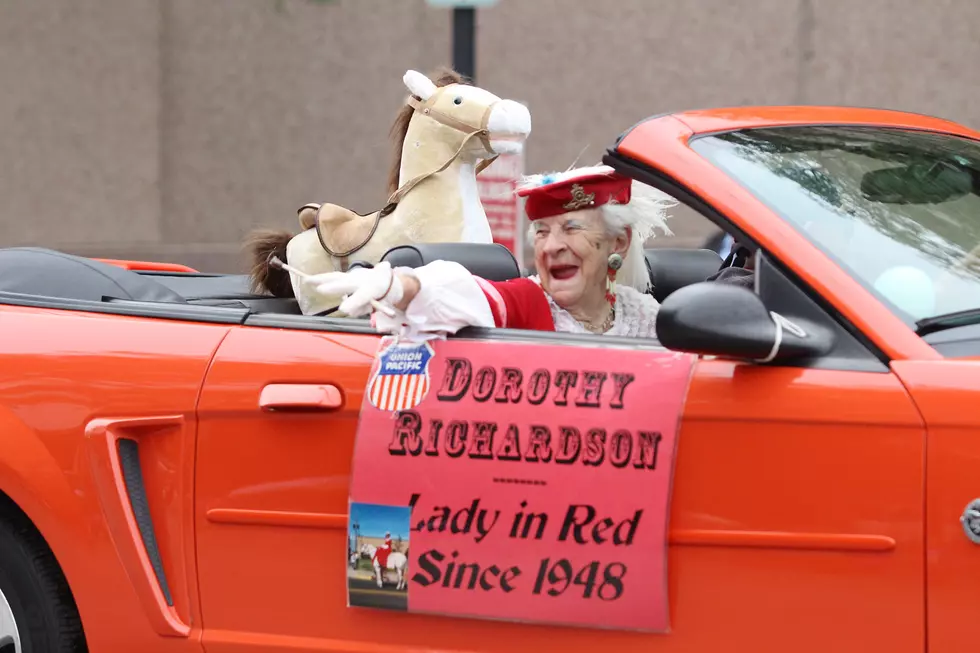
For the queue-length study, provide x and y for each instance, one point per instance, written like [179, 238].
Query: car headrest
[490, 261]
[39, 271]
[671, 268]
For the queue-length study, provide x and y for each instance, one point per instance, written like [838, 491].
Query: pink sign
[497, 187]
[516, 481]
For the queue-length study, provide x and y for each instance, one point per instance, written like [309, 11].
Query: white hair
[645, 212]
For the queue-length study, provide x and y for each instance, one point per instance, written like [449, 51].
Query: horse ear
[419, 85]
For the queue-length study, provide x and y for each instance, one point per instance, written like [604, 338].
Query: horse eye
[457, 100]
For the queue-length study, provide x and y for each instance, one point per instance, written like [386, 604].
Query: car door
[277, 418]
[796, 517]
[946, 394]
[797, 512]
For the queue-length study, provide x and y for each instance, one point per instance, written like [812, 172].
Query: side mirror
[718, 319]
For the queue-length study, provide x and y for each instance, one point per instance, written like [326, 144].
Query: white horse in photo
[397, 562]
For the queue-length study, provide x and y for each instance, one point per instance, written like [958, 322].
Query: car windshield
[898, 209]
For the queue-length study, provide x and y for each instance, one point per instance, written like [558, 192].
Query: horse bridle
[483, 131]
[427, 109]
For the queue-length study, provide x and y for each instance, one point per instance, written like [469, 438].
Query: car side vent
[129, 459]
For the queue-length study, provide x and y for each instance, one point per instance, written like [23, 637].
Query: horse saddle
[341, 231]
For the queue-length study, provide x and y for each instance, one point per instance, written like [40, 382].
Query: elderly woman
[588, 226]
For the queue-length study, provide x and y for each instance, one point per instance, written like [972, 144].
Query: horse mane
[441, 77]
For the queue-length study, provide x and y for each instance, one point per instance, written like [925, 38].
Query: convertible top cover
[45, 272]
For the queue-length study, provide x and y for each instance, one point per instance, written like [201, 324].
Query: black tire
[36, 590]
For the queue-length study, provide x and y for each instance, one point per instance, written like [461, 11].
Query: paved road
[365, 593]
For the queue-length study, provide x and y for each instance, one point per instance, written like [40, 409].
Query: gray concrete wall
[167, 129]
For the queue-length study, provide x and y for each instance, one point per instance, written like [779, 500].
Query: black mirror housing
[718, 319]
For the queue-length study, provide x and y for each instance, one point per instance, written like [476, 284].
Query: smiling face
[571, 254]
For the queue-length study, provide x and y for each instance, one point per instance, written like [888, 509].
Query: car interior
[35, 276]
[40, 272]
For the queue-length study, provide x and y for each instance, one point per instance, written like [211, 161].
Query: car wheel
[37, 612]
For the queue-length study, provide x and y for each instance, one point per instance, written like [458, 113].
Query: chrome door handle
[300, 397]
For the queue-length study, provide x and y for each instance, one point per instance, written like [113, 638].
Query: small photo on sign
[377, 563]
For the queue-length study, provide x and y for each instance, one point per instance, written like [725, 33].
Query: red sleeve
[518, 304]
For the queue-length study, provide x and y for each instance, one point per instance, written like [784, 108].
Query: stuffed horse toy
[448, 132]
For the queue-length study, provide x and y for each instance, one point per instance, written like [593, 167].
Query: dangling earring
[615, 262]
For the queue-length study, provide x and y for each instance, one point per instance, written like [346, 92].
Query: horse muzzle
[509, 125]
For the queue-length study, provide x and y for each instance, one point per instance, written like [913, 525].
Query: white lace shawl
[636, 314]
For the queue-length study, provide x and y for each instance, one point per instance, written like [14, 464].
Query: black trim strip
[361, 326]
[556, 337]
[310, 323]
[672, 187]
[191, 275]
[129, 460]
[183, 312]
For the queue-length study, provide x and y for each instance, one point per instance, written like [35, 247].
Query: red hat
[585, 188]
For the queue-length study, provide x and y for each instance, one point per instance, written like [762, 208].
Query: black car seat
[672, 268]
[489, 261]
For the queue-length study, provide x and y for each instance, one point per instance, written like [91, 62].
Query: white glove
[448, 299]
[359, 287]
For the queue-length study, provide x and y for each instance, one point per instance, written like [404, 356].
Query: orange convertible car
[176, 453]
